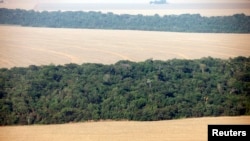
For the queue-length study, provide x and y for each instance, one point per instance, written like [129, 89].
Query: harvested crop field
[24, 46]
[193, 129]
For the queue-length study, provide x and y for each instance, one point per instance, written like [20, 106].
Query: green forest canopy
[149, 90]
[238, 23]
[144, 91]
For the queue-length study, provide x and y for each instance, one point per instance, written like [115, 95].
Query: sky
[144, 1]
[124, 1]
[170, 1]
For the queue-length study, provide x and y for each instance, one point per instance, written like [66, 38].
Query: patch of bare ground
[24, 46]
[191, 129]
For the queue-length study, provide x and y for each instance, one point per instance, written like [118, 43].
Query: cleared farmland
[24, 46]
[193, 129]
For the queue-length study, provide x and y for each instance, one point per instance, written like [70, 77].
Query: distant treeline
[144, 91]
[238, 23]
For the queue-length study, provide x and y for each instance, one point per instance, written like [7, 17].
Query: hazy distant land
[220, 8]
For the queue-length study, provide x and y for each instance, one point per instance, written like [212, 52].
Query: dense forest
[144, 91]
[238, 23]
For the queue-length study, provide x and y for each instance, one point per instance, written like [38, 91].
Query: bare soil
[192, 129]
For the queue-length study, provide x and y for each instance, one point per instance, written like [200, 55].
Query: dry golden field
[24, 46]
[193, 129]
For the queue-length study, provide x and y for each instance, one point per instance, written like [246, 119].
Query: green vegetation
[144, 91]
[238, 23]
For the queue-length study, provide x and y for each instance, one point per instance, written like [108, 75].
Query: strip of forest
[142, 91]
[238, 23]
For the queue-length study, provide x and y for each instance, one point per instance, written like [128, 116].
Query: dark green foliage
[238, 23]
[149, 90]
